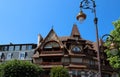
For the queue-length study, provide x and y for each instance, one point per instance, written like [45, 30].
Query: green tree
[59, 72]
[114, 59]
[17, 68]
[1, 70]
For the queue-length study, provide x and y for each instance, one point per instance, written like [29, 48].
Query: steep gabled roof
[52, 36]
[75, 32]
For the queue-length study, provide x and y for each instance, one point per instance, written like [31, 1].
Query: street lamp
[113, 48]
[90, 4]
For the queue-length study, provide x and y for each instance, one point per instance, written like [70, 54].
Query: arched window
[52, 45]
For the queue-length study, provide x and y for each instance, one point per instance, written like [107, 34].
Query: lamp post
[86, 4]
[112, 47]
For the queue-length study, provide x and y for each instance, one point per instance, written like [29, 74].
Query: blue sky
[22, 20]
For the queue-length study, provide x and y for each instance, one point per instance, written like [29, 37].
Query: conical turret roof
[75, 31]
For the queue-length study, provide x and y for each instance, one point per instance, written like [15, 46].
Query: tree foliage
[17, 68]
[59, 72]
[114, 59]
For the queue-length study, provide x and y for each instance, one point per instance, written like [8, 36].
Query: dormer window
[11, 48]
[53, 45]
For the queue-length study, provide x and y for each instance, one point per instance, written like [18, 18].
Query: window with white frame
[29, 47]
[11, 48]
[23, 47]
[5, 48]
[22, 55]
[9, 56]
[17, 48]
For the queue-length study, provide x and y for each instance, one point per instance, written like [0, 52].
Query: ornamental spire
[75, 32]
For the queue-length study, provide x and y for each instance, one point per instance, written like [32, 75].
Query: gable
[52, 36]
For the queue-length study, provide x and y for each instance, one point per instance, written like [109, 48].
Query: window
[17, 48]
[79, 73]
[22, 55]
[6, 48]
[74, 73]
[76, 49]
[76, 60]
[1, 48]
[91, 62]
[11, 48]
[52, 59]
[85, 61]
[29, 47]
[9, 56]
[52, 46]
[23, 47]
